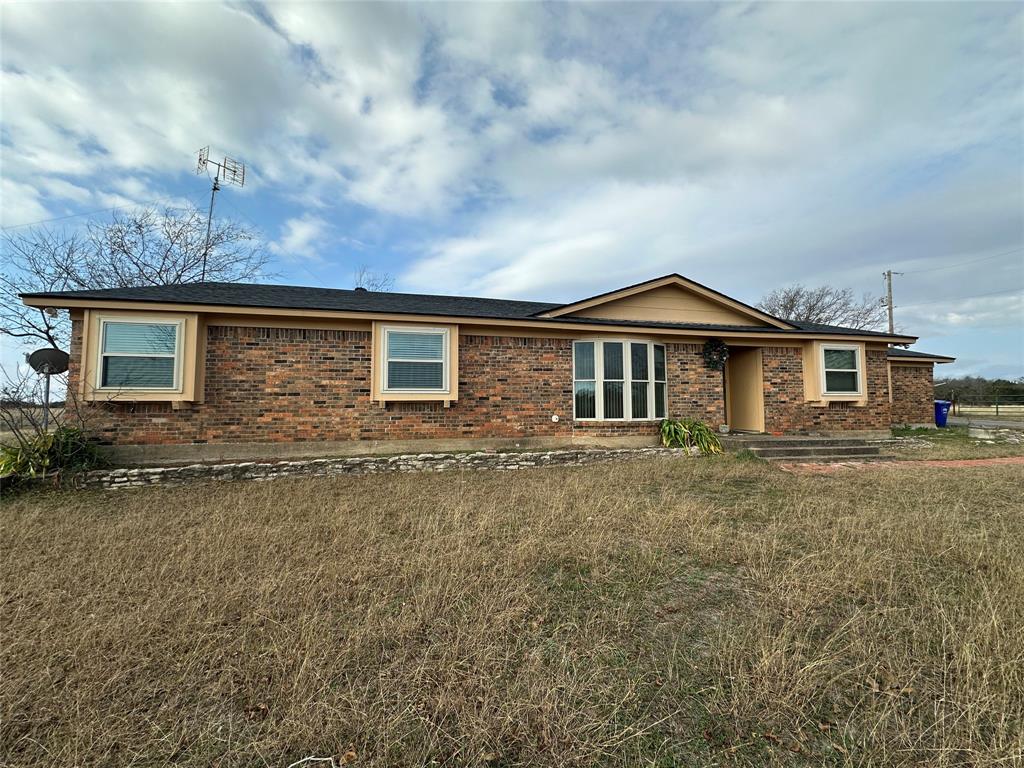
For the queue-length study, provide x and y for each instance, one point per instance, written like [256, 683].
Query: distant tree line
[977, 388]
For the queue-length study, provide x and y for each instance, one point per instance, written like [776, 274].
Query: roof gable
[671, 298]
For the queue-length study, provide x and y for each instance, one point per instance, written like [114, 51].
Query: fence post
[997, 405]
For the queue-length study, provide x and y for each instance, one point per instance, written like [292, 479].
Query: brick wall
[913, 394]
[786, 410]
[291, 385]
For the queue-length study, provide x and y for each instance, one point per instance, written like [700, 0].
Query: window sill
[857, 401]
[136, 395]
[415, 397]
[653, 420]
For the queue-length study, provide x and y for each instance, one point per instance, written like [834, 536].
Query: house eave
[547, 323]
[937, 359]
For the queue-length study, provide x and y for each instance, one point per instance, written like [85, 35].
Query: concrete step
[823, 451]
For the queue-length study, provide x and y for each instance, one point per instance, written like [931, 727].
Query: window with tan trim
[840, 369]
[416, 360]
[139, 354]
[618, 380]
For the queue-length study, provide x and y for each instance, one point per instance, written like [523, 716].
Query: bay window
[640, 380]
[660, 384]
[584, 380]
[841, 369]
[613, 379]
[619, 380]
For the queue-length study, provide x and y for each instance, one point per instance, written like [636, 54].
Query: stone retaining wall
[361, 465]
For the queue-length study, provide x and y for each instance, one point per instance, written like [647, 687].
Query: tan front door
[744, 390]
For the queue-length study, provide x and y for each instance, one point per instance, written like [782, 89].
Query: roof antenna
[232, 172]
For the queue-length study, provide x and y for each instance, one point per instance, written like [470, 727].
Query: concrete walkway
[825, 469]
[981, 421]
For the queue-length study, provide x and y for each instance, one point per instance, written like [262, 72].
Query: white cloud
[939, 316]
[301, 238]
[551, 150]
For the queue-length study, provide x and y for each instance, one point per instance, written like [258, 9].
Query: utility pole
[888, 297]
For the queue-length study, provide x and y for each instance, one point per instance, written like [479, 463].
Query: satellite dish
[49, 361]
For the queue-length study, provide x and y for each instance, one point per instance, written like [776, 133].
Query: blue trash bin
[941, 412]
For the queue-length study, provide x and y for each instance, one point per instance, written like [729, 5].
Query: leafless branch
[149, 246]
[826, 305]
[364, 277]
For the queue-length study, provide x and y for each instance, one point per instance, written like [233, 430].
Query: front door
[744, 390]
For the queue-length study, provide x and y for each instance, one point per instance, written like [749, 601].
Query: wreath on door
[715, 354]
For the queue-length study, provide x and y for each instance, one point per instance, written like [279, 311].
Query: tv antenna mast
[228, 170]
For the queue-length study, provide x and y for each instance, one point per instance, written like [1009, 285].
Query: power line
[234, 207]
[961, 298]
[963, 263]
[98, 210]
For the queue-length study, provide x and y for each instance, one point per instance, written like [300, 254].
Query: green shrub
[63, 449]
[690, 433]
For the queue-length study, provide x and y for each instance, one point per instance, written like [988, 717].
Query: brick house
[220, 370]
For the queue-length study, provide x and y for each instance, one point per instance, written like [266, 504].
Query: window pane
[840, 381]
[140, 338]
[416, 346]
[638, 357]
[584, 351]
[659, 401]
[659, 362]
[612, 360]
[613, 399]
[139, 372]
[586, 403]
[639, 406]
[844, 359]
[415, 375]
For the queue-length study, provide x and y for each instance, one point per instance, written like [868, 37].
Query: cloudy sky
[555, 151]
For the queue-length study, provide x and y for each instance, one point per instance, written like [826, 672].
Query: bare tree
[149, 246]
[364, 277]
[826, 305]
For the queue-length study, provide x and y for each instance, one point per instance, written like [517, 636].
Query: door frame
[735, 383]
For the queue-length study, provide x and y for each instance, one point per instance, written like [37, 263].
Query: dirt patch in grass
[643, 613]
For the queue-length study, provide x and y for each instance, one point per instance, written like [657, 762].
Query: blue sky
[550, 151]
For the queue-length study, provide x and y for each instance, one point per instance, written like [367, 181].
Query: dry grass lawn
[656, 613]
[953, 443]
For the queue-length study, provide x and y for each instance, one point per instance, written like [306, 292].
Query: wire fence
[998, 406]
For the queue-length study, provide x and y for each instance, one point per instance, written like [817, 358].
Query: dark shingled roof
[334, 299]
[910, 353]
[298, 297]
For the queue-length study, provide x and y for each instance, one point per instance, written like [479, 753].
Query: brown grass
[952, 443]
[650, 613]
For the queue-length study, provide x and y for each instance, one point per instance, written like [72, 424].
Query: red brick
[913, 394]
[293, 385]
[787, 411]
